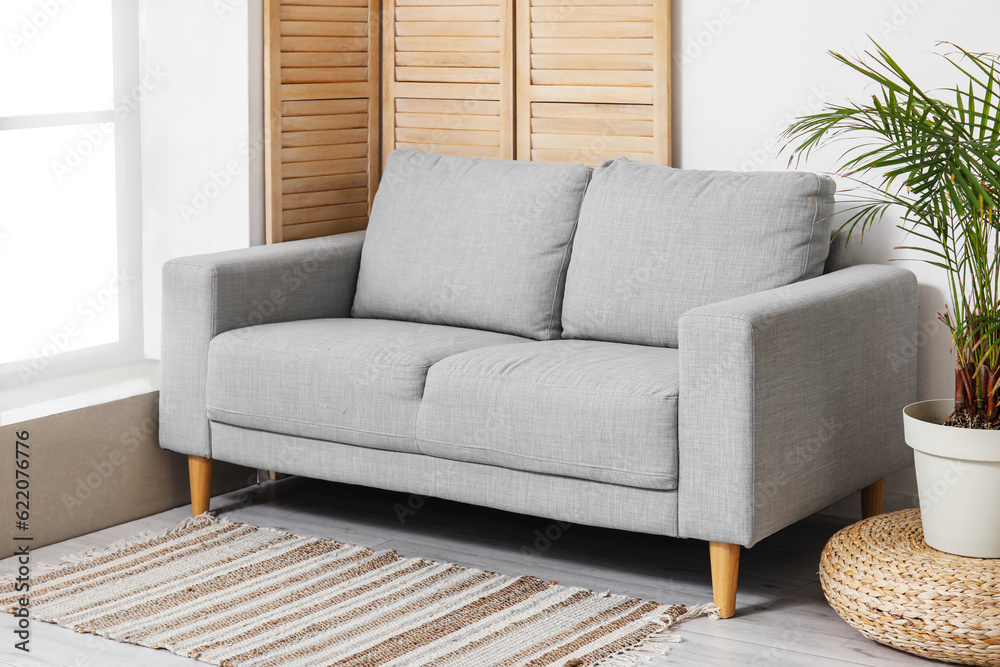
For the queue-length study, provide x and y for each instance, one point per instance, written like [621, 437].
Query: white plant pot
[958, 477]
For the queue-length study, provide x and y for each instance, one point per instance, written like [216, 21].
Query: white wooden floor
[782, 618]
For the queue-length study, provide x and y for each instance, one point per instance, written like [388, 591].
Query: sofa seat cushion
[470, 242]
[357, 382]
[591, 410]
[654, 242]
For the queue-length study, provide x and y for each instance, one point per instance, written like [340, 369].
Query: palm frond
[937, 162]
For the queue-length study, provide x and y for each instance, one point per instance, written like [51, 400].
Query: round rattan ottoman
[883, 579]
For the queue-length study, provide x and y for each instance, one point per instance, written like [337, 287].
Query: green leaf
[937, 161]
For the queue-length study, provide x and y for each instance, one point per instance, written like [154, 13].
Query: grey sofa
[638, 347]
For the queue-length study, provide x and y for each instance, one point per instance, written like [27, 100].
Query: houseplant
[933, 157]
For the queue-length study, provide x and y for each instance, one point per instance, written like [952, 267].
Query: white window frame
[128, 200]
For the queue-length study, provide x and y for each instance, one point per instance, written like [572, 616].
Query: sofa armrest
[790, 400]
[206, 295]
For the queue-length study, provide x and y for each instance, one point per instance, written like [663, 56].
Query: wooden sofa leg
[725, 571]
[200, 475]
[871, 499]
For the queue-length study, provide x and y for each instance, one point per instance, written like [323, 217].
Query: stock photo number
[22, 538]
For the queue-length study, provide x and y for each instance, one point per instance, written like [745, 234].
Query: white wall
[743, 69]
[201, 135]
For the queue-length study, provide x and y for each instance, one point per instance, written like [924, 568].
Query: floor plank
[782, 618]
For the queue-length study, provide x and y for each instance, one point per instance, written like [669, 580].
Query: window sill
[78, 391]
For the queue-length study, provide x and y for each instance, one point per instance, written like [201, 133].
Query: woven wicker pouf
[883, 579]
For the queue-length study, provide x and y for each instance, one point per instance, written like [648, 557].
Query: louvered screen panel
[448, 78]
[323, 100]
[593, 80]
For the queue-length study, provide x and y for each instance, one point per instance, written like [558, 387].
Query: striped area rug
[233, 594]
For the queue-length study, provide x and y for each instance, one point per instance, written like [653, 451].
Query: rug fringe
[659, 642]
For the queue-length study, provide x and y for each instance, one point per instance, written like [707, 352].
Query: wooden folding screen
[593, 80]
[448, 76]
[548, 80]
[322, 97]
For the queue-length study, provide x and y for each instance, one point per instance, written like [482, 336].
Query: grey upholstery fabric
[654, 242]
[207, 295]
[355, 381]
[550, 496]
[470, 242]
[775, 404]
[599, 411]
[791, 398]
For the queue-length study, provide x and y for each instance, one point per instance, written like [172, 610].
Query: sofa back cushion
[654, 242]
[470, 242]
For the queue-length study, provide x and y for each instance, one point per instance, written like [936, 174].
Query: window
[69, 188]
